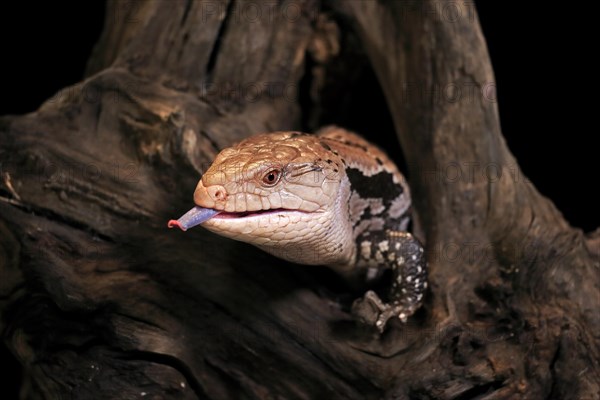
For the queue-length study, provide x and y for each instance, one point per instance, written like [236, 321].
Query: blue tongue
[195, 216]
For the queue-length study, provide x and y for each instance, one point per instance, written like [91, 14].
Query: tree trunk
[100, 300]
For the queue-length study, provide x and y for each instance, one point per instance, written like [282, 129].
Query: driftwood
[100, 300]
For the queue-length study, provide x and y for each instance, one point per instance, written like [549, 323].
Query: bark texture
[99, 300]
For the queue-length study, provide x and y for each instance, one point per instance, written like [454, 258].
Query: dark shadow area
[45, 47]
[349, 95]
[543, 80]
[12, 374]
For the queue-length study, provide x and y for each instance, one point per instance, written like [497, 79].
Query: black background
[545, 78]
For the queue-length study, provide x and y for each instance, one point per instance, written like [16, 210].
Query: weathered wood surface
[100, 300]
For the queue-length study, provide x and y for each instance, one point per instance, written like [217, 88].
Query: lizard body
[330, 199]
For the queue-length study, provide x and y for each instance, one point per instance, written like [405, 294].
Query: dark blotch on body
[325, 146]
[380, 185]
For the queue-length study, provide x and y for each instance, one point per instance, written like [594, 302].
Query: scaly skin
[326, 199]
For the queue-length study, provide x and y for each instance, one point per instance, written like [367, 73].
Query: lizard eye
[271, 178]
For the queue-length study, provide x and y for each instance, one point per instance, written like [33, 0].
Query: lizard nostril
[217, 192]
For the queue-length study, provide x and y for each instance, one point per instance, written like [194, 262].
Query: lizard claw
[368, 308]
[371, 310]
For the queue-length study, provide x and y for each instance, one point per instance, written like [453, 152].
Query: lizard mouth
[199, 215]
[245, 214]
